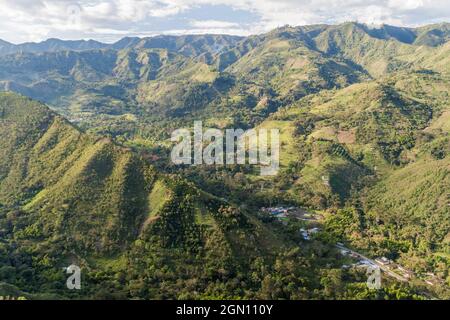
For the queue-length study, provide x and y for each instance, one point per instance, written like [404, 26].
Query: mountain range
[433, 35]
[86, 178]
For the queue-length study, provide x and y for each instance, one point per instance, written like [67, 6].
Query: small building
[384, 261]
[304, 234]
[313, 230]
[354, 255]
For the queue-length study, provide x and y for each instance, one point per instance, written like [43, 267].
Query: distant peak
[3, 42]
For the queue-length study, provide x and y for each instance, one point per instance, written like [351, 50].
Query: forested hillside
[69, 197]
[86, 178]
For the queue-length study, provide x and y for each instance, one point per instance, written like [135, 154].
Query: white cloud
[212, 24]
[405, 4]
[25, 20]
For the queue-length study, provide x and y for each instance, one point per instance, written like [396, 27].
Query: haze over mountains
[364, 115]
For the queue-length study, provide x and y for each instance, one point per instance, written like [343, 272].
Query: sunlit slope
[94, 196]
[340, 140]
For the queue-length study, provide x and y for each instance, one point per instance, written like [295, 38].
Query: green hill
[381, 147]
[69, 197]
[364, 120]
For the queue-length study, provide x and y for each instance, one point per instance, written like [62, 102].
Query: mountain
[6, 47]
[70, 197]
[69, 78]
[190, 45]
[364, 121]
[51, 45]
[380, 149]
[52, 164]
[433, 35]
[225, 76]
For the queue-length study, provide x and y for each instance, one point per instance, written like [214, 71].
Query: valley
[86, 175]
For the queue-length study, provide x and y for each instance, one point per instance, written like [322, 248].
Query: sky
[110, 20]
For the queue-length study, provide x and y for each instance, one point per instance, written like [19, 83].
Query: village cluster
[389, 267]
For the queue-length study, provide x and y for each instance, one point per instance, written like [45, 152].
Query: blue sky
[110, 20]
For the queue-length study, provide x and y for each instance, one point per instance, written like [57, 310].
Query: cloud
[108, 20]
[212, 24]
[406, 4]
